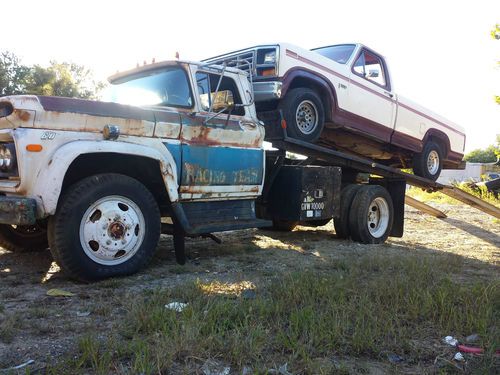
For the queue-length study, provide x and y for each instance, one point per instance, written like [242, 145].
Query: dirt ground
[46, 329]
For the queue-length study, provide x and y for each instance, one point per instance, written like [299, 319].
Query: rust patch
[22, 115]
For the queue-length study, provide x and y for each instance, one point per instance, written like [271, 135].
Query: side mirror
[221, 100]
[373, 73]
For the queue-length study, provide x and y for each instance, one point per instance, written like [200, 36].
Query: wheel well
[322, 92]
[444, 144]
[143, 169]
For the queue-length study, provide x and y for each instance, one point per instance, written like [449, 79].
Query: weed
[362, 306]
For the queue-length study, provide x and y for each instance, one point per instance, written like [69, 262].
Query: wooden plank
[471, 200]
[424, 207]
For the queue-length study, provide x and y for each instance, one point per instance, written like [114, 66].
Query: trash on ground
[82, 314]
[450, 340]
[472, 338]
[59, 293]
[214, 368]
[394, 358]
[459, 357]
[22, 365]
[246, 370]
[176, 306]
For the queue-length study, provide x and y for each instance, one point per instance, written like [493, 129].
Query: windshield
[339, 53]
[167, 87]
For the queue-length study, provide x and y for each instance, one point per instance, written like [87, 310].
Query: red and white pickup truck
[342, 96]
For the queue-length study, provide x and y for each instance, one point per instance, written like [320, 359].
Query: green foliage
[488, 155]
[13, 74]
[58, 79]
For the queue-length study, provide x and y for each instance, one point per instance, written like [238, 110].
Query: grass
[370, 306]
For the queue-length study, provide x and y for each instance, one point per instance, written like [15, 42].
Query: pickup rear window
[339, 53]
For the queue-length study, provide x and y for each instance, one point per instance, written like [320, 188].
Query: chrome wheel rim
[112, 230]
[306, 117]
[433, 162]
[378, 217]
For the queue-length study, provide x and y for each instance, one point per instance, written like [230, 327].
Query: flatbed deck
[276, 134]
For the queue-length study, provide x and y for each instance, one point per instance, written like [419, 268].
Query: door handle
[248, 125]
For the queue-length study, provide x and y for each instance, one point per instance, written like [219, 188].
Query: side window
[370, 67]
[207, 85]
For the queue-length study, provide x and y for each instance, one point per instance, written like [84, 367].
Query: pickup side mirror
[221, 101]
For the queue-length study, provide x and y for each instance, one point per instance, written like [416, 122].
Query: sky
[440, 52]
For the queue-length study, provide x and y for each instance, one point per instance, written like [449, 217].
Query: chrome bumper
[269, 90]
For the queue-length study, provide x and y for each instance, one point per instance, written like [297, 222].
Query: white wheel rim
[433, 162]
[378, 217]
[112, 230]
[306, 117]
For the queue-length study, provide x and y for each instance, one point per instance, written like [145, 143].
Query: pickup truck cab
[343, 96]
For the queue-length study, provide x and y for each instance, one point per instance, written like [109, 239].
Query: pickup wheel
[341, 223]
[23, 238]
[304, 114]
[105, 225]
[429, 162]
[371, 215]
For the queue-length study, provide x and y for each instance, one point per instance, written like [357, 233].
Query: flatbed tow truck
[97, 182]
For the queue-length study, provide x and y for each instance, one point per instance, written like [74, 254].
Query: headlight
[270, 57]
[7, 157]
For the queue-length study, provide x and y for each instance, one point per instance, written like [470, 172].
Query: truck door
[222, 154]
[370, 96]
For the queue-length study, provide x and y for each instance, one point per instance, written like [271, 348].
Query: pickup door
[370, 96]
[222, 157]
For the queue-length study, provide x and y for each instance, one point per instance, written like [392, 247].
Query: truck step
[230, 225]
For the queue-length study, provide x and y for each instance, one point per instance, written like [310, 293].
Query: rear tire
[371, 215]
[304, 114]
[341, 223]
[429, 162]
[105, 225]
[23, 238]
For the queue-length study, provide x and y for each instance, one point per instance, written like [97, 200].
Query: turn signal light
[34, 148]
[268, 72]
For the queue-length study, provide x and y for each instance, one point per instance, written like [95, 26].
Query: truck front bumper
[17, 211]
[267, 90]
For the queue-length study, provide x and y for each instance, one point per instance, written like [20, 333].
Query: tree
[482, 156]
[495, 34]
[12, 74]
[59, 79]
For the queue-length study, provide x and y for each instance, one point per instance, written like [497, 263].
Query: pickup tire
[23, 238]
[429, 162]
[341, 223]
[371, 215]
[304, 114]
[105, 225]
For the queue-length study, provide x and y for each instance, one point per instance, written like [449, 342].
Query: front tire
[371, 215]
[304, 114]
[23, 238]
[429, 162]
[105, 225]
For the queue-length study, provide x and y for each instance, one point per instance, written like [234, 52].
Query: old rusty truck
[176, 148]
[343, 96]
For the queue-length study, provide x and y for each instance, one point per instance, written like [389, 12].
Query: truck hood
[58, 113]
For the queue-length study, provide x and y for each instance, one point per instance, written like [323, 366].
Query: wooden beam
[471, 200]
[424, 207]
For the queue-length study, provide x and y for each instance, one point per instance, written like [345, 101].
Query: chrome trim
[268, 90]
